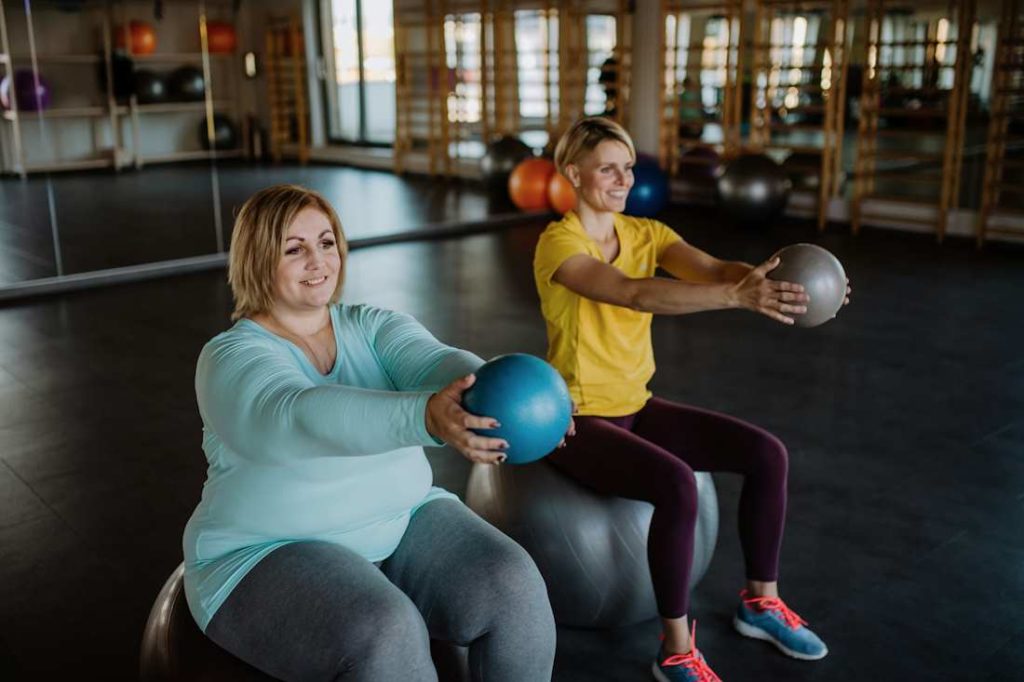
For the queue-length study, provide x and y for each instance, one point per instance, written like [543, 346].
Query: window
[361, 71]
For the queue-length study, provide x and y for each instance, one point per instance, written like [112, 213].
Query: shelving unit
[1004, 162]
[466, 76]
[28, 136]
[912, 115]
[119, 130]
[800, 57]
[286, 88]
[694, 60]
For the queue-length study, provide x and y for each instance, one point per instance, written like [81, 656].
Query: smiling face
[307, 274]
[604, 176]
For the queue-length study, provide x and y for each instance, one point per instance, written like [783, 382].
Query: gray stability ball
[500, 159]
[590, 548]
[822, 277]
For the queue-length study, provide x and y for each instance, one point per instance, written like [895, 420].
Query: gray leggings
[319, 611]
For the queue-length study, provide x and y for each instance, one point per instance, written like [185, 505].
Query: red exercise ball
[220, 37]
[139, 37]
[528, 184]
[561, 194]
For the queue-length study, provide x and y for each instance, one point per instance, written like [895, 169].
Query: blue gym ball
[528, 398]
[650, 189]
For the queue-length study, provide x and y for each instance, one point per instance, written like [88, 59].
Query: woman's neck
[297, 323]
[599, 224]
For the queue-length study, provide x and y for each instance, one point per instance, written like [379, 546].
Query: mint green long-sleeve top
[296, 455]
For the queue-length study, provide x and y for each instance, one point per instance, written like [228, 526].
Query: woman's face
[308, 271]
[604, 177]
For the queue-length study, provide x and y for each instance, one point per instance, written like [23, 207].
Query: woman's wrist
[429, 423]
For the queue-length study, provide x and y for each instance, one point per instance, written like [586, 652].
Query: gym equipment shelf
[686, 122]
[462, 71]
[109, 146]
[798, 89]
[915, 92]
[1003, 183]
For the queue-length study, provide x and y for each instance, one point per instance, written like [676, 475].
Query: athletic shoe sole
[658, 675]
[754, 632]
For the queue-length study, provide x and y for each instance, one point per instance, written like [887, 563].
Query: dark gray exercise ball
[186, 84]
[590, 548]
[753, 189]
[500, 159]
[225, 134]
[150, 87]
[822, 277]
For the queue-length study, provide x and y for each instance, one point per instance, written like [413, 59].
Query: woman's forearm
[664, 296]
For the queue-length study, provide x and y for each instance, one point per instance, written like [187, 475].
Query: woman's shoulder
[645, 229]
[244, 334]
[362, 314]
[636, 223]
[367, 320]
[565, 233]
[568, 224]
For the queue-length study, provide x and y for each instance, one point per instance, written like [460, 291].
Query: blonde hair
[584, 135]
[257, 242]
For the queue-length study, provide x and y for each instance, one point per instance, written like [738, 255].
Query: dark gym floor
[904, 418]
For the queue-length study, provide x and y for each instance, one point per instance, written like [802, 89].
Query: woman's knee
[676, 491]
[510, 586]
[772, 458]
[388, 627]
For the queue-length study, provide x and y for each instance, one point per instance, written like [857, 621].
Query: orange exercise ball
[220, 37]
[139, 35]
[528, 184]
[561, 194]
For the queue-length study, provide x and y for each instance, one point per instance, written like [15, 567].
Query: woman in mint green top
[320, 548]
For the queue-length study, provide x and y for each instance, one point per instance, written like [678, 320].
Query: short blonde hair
[584, 135]
[257, 243]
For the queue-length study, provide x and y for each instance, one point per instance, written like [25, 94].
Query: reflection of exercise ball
[500, 159]
[186, 84]
[700, 164]
[822, 277]
[650, 189]
[561, 194]
[138, 37]
[753, 188]
[590, 548]
[225, 134]
[32, 93]
[528, 184]
[529, 399]
[150, 87]
[123, 70]
[220, 37]
[804, 170]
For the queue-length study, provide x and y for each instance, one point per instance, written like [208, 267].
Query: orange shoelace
[789, 617]
[693, 662]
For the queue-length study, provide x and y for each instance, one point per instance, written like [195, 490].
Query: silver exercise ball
[590, 548]
[753, 189]
[822, 277]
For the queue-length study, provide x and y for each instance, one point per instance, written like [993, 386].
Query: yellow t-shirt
[603, 351]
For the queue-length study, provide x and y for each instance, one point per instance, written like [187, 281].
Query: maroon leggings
[651, 456]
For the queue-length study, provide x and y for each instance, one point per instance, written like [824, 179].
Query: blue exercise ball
[650, 189]
[528, 398]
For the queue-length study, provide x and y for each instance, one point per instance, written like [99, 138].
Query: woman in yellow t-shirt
[594, 271]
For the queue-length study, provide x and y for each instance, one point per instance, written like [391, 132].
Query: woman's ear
[572, 172]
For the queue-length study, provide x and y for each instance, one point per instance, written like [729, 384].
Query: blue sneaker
[689, 667]
[769, 618]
